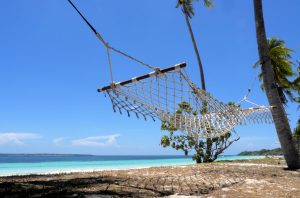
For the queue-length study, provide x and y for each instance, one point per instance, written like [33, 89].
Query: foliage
[232, 104]
[283, 129]
[188, 11]
[296, 133]
[283, 69]
[296, 85]
[206, 150]
[187, 6]
[276, 151]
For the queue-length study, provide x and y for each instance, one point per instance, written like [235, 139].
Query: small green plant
[205, 150]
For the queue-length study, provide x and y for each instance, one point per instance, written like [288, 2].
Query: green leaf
[165, 141]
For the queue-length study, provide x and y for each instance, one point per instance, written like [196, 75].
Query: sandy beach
[244, 178]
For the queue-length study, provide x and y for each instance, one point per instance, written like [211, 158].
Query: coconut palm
[282, 68]
[288, 145]
[188, 11]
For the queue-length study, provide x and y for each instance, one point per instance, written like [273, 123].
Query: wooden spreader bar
[156, 72]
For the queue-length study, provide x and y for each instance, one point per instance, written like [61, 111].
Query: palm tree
[282, 125]
[188, 11]
[282, 68]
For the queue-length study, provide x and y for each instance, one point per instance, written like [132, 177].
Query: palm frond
[187, 6]
[283, 69]
[282, 96]
[289, 93]
[296, 82]
[208, 3]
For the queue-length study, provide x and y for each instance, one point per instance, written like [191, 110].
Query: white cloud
[58, 141]
[98, 141]
[17, 138]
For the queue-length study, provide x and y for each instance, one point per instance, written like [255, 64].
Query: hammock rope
[106, 44]
[164, 94]
[170, 96]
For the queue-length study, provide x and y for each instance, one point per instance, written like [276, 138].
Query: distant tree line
[276, 151]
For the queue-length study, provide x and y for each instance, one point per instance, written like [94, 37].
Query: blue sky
[51, 65]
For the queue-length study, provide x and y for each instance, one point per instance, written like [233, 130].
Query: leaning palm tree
[288, 145]
[282, 68]
[188, 11]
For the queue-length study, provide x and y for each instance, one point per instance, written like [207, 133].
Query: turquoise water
[20, 165]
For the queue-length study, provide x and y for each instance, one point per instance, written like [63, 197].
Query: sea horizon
[97, 154]
[26, 164]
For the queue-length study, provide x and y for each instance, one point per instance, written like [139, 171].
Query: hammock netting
[170, 96]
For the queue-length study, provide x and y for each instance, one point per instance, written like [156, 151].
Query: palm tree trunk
[282, 126]
[203, 86]
[195, 47]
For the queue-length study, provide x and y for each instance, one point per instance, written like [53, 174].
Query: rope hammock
[170, 96]
[163, 93]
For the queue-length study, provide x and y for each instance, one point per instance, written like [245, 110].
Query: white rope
[163, 95]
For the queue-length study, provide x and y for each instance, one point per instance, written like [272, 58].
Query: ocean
[23, 164]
